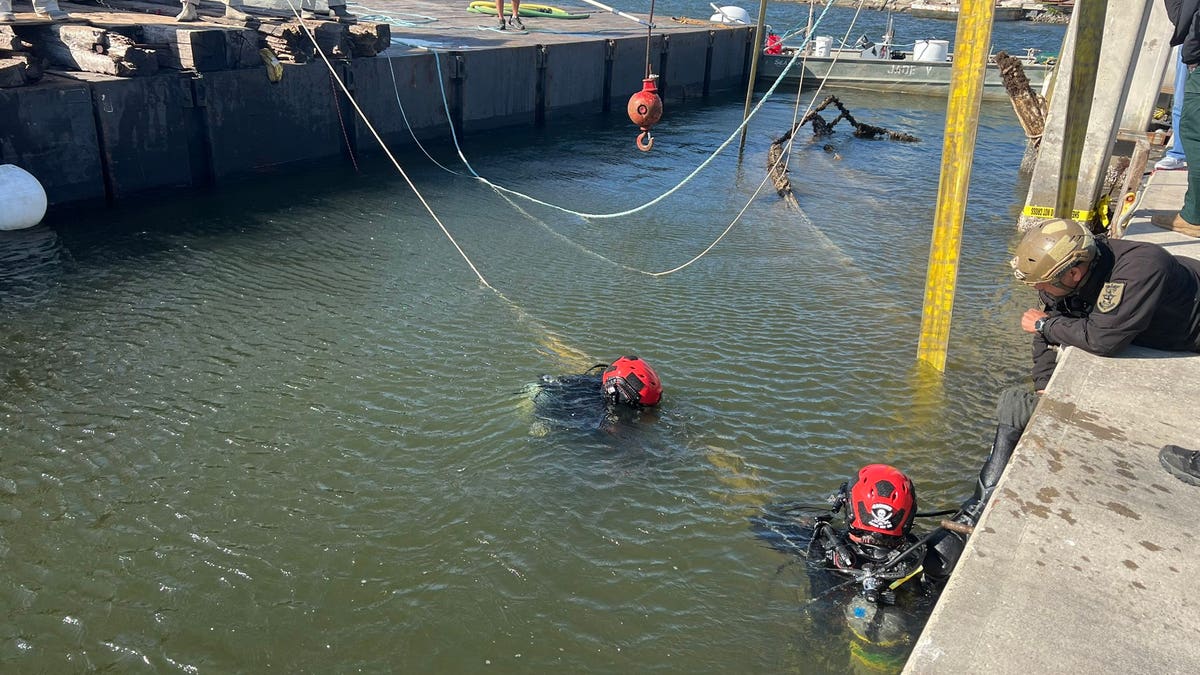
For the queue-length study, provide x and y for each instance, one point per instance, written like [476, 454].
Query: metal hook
[645, 141]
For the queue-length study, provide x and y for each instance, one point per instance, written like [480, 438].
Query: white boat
[880, 67]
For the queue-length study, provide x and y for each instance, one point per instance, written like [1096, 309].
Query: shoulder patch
[1110, 296]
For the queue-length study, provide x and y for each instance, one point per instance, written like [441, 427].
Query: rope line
[783, 156]
[787, 151]
[407, 125]
[503, 190]
[649, 33]
[386, 150]
[687, 179]
[345, 134]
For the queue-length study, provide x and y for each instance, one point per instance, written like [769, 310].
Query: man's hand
[1029, 317]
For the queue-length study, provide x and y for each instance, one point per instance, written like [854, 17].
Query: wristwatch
[1039, 325]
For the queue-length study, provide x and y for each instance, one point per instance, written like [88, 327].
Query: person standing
[1185, 15]
[515, 22]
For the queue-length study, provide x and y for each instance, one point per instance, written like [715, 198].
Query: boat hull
[916, 77]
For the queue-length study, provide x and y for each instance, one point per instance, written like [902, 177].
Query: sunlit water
[284, 427]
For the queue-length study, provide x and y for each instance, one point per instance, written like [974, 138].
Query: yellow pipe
[973, 37]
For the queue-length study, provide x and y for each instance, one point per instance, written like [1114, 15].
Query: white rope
[383, 145]
[783, 157]
[502, 190]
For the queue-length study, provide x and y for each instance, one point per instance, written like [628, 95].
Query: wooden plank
[369, 39]
[91, 49]
[199, 49]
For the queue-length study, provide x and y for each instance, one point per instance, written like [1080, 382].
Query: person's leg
[235, 9]
[188, 11]
[338, 8]
[1174, 157]
[516, 22]
[49, 9]
[1189, 131]
[500, 13]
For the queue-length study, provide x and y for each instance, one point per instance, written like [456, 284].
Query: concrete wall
[91, 137]
[50, 131]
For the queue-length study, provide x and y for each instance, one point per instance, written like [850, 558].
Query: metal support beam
[1097, 72]
[972, 38]
[1148, 74]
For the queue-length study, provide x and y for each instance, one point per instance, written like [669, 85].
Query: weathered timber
[369, 39]
[292, 43]
[204, 49]
[288, 41]
[332, 38]
[1029, 105]
[18, 71]
[91, 49]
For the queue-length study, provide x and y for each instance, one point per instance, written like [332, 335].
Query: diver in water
[876, 544]
[871, 567]
[598, 396]
[866, 571]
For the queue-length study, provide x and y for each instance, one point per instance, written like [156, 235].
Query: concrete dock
[1085, 558]
[209, 111]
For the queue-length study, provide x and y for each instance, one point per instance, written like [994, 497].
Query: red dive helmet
[882, 500]
[631, 381]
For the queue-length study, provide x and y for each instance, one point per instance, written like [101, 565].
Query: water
[283, 427]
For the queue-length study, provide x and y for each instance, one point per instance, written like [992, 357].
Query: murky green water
[283, 428]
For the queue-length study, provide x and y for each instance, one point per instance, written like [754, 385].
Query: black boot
[1183, 464]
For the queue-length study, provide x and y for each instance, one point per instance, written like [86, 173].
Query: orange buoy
[645, 109]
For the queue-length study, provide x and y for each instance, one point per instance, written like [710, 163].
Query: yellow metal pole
[972, 40]
[1085, 62]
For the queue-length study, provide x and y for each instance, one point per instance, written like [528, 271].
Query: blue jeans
[1189, 133]
[1181, 76]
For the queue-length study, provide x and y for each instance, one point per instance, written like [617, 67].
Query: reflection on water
[31, 261]
[284, 427]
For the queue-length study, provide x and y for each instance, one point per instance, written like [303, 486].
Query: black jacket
[1136, 293]
[1185, 14]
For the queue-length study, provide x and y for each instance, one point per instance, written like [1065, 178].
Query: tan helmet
[1050, 249]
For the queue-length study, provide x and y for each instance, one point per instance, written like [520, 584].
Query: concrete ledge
[1085, 558]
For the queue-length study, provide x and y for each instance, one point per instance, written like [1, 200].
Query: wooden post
[758, 47]
[1027, 103]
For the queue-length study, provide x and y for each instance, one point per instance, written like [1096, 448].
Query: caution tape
[1048, 212]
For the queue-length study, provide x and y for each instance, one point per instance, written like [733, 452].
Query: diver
[868, 565]
[876, 544]
[599, 396]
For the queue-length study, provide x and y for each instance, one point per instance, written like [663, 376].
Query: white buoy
[729, 15]
[22, 197]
